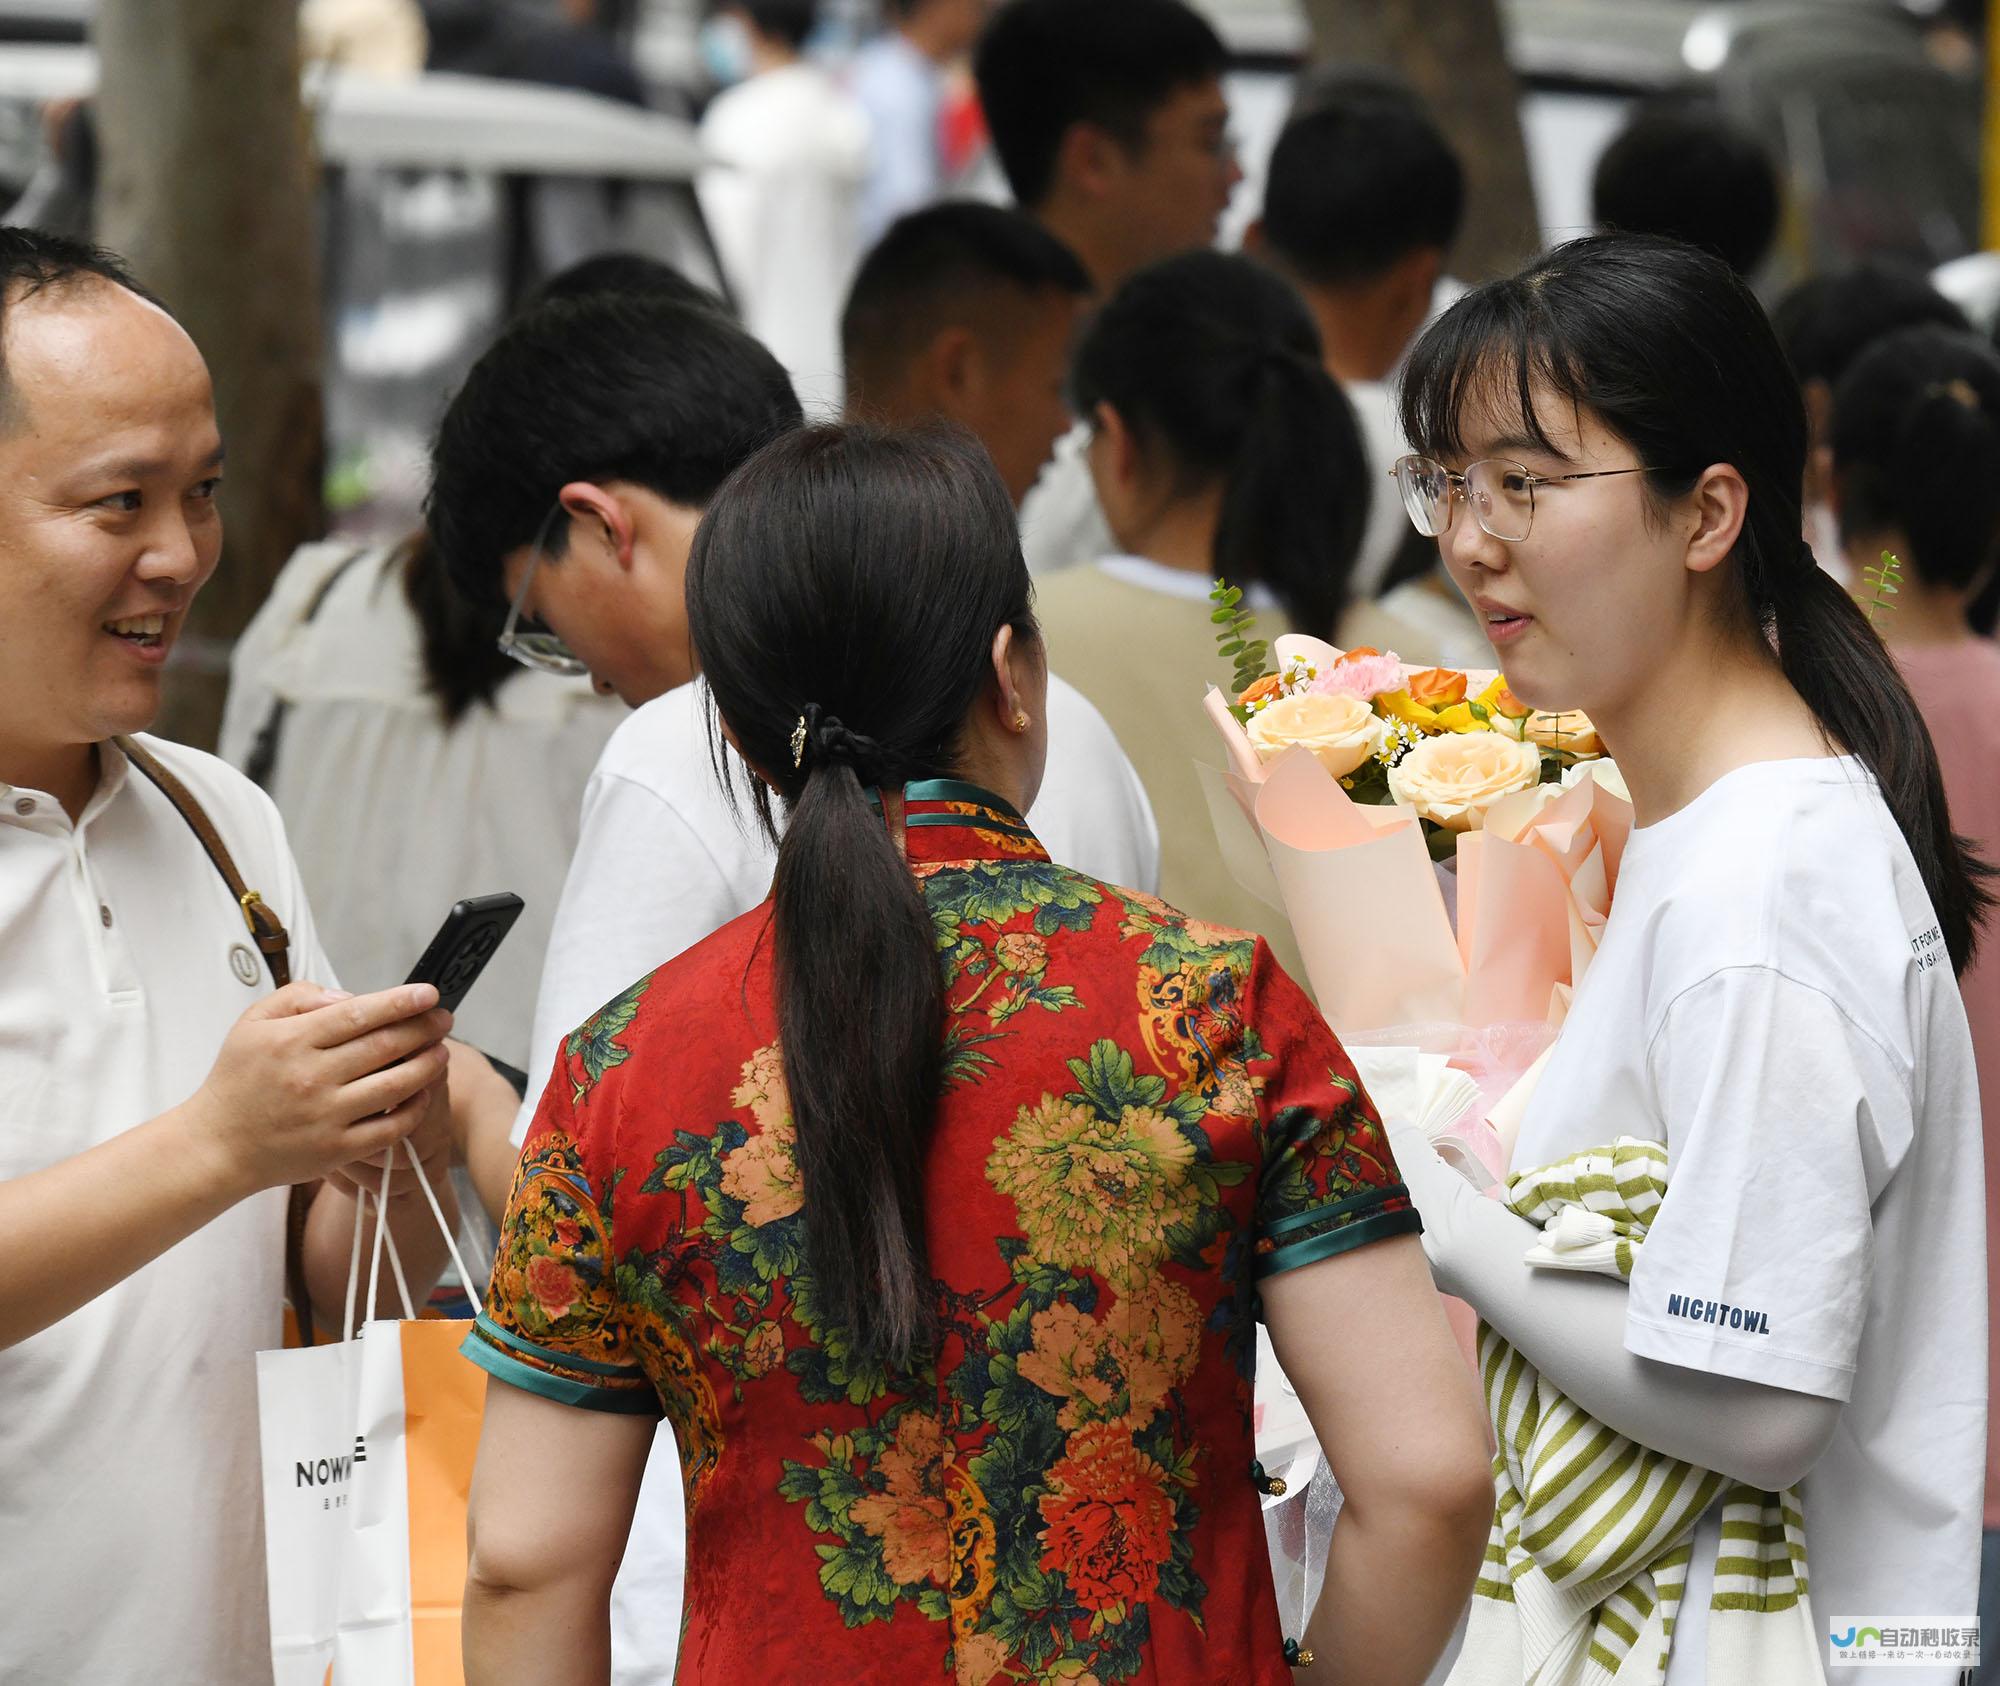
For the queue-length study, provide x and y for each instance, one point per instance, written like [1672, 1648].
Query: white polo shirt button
[104, 913]
[24, 806]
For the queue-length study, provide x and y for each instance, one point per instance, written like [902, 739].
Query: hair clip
[798, 743]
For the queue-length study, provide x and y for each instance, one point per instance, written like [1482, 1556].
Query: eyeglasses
[1500, 494]
[537, 647]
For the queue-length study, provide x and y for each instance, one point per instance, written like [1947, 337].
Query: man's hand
[310, 1080]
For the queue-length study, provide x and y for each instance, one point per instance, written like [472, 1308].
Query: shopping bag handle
[384, 1238]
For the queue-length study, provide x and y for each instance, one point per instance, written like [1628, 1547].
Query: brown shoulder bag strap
[275, 943]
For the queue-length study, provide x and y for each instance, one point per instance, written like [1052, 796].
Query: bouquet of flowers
[1351, 773]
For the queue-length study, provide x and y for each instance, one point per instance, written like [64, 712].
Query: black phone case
[464, 943]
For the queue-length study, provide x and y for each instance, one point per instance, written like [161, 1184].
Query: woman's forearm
[1571, 1327]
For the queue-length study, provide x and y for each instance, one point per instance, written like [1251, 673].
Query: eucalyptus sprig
[1235, 643]
[1882, 584]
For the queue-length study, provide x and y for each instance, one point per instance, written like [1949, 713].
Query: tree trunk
[1453, 52]
[206, 187]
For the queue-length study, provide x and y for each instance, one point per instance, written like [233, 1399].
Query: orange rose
[1265, 689]
[1436, 687]
[1503, 701]
[1358, 652]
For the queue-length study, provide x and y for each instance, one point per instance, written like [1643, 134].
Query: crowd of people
[891, 1116]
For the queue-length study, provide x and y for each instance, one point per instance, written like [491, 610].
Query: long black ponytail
[1215, 364]
[843, 594]
[1672, 353]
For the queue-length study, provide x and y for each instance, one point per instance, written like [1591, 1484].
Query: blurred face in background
[109, 463]
[1012, 394]
[1168, 193]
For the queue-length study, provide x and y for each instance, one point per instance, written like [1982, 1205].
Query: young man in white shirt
[157, 1098]
[1109, 120]
[570, 473]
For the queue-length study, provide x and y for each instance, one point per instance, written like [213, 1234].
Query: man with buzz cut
[161, 1087]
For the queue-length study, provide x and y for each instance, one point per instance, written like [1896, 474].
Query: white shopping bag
[305, 1412]
[336, 1432]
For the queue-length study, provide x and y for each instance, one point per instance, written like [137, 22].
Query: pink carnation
[1361, 677]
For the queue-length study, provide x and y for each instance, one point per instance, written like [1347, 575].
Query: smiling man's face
[109, 461]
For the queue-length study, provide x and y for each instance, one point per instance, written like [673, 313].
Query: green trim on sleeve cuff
[1333, 1209]
[569, 1361]
[1337, 1241]
[631, 1402]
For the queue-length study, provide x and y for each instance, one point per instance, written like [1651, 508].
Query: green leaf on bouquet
[1882, 583]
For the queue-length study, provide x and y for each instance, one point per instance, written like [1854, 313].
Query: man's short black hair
[1043, 65]
[671, 397]
[32, 261]
[789, 21]
[630, 273]
[1826, 322]
[941, 266]
[1359, 178]
[1684, 168]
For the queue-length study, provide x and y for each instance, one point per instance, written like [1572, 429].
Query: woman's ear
[1720, 500]
[601, 513]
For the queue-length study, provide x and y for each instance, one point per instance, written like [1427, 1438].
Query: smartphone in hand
[464, 943]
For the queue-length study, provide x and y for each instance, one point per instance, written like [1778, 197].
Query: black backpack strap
[263, 761]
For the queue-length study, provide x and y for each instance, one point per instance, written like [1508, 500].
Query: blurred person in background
[788, 151]
[948, 1288]
[1916, 471]
[1824, 324]
[967, 312]
[899, 78]
[1362, 202]
[373, 704]
[1109, 122]
[1685, 168]
[1221, 449]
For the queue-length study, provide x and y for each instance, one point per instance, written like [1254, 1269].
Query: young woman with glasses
[1610, 450]
[930, 1201]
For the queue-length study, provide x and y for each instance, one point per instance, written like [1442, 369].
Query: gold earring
[1020, 721]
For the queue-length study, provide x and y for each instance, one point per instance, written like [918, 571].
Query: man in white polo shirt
[157, 1098]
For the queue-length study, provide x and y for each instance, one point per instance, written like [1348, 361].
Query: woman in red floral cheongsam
[932, 1201]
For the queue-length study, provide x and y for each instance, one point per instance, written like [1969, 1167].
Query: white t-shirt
[789, 152]
[1772, 999]
[131, 1509]
[393, 815]
[663, 861]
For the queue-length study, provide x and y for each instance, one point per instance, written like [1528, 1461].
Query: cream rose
[1452, 780]
[1342, 732]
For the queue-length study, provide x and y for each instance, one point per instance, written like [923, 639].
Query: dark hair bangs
[1484, 357]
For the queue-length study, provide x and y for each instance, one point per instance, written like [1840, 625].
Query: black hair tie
[819, 739]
